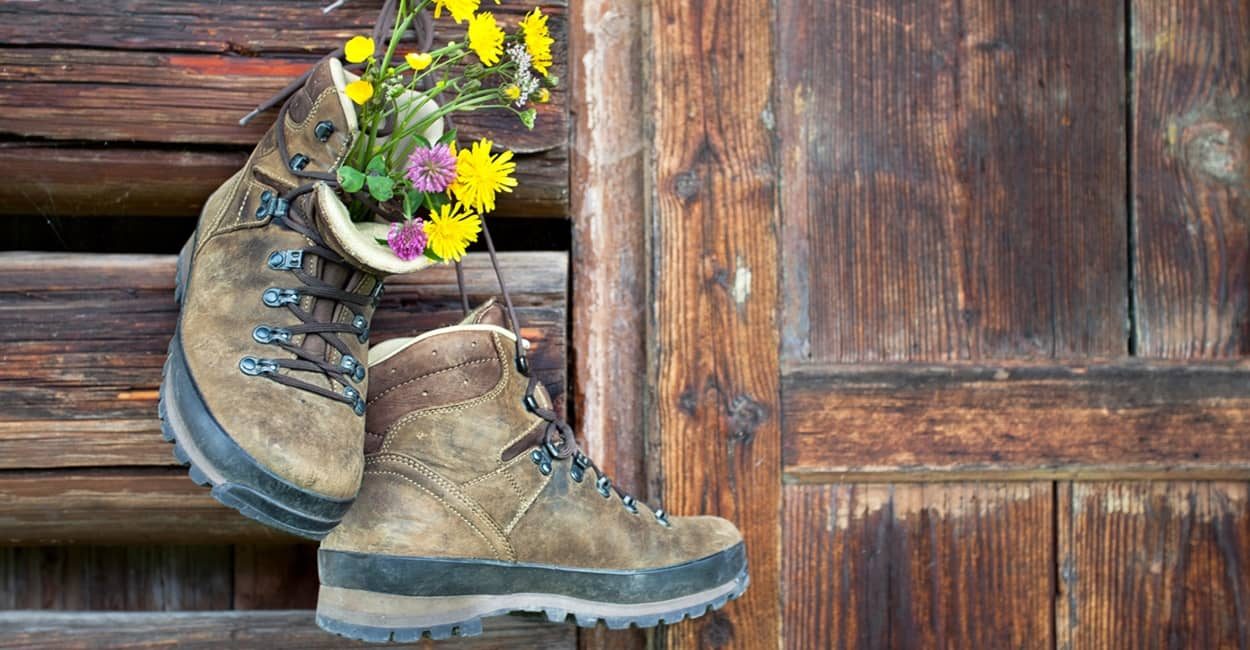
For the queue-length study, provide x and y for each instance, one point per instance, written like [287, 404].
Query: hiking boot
[477, 502]
[263, 389]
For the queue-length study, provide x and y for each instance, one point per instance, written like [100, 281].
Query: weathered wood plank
[119, 506]
[78, 181]
[712, 333]
[276, 630]
[115, 578]
[918, 566]
[1191, 177]
[1152, 565]
[275, 576]
[1018, 420]
[954, 177]
[83, 338]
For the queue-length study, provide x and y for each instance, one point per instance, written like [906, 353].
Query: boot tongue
[489, 313]
[363, 245]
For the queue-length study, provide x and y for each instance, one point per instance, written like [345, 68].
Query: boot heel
[377, 617]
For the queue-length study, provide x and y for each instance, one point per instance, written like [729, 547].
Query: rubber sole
[431, 607]
[214, 460]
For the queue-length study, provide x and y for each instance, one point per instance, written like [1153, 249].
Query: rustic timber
[961, 565]
[1191, 177]
[1152, 565]
[712, 336]
[84, 338]
[954, 178]
[272, 630]
[275, 576]
[1017, 420]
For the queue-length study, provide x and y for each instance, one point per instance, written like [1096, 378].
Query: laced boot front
[264, 386]
[477, 501]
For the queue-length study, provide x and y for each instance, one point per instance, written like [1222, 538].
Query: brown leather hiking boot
[476, 502]
[264, 383]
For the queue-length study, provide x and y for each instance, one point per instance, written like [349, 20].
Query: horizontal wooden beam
[1122, 419]
[84, 336]
[268, 630]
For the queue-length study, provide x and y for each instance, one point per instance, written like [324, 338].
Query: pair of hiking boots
[433, 469]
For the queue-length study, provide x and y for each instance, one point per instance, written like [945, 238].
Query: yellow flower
[544, 95]
[512, 92]
[418, 61]
[460, 10]
[479, 175]
[358, 49]
[485, 38]
[451, 229]
[537, 40]
[360, 91]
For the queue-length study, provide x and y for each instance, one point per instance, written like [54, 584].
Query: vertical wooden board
[952, 565]
[712, 337]
[1191, 177]
[275, 576]
[955, 179]
[116, 578]
[1145, 565]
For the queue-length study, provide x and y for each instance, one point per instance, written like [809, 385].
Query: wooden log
[955, 180]
[84, 338]
[1191, 177]
[961, 565]
[1145, 565]
[1122, 419]
[271, 630]
[712, 335]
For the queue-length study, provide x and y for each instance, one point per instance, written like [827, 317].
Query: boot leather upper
[441, 413]
[302, 437]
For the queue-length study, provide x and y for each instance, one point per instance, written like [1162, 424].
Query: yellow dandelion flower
[479, 176]
[512, 92]
[358, 49]
[538, 40]
[485, 38]
[418, 61]
[544, 95]
[460, 10]
[360, 91]
[451, 229]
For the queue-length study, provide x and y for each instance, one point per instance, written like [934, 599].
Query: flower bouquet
[406, 167]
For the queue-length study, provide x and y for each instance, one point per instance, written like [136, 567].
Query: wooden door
[948, 309]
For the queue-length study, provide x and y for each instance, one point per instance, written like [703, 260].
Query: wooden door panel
[1191, 177]
[1146, 565]
[954, 176]
[955, 565]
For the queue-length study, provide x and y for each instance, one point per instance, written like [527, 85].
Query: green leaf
[377, 166]
[527, 117]
[429, 252]
[412, 200]
[381, 242]
[381, 188]
[420, 139]
[436, 201]
[448, 137]
[350, 179]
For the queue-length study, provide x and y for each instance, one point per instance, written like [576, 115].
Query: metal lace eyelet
[275, 297]
[581, 460]
[662, 517]
[604, 485]
[531, 403]
[629, 504]
[323, 130]
[352, 368]
[298, 162]
[271, 206]
[577, 472]
[522, 365]
[286, 260]
[267, 334]
[361, 325]
[253, 366]
[358, 403]
[545, 468]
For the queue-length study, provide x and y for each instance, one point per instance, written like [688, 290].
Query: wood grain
[276, 630]
[84, 337]
[712, 342]
[1019, 420]
[112, 578]
[1152, 565]
[1191, 177]
[609, 251]
[954, 180]
[963, 565]
[275, 576]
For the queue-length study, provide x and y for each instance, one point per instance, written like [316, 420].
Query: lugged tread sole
[333, 620]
